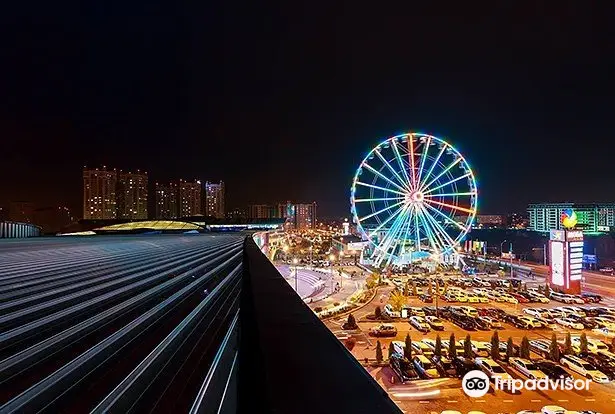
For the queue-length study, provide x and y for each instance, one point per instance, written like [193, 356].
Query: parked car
[383, 330]
[527, 368]
[517, 322]
[603, 366]
[424, 367]
[463, 366]
[444, 366]
[481, 324]
[434, 323]
[569, 323]
[426, 298]
[492, 323]
[587, 323]
[464, 322]
[583, 368]
[422, 348]
[416, 311]
[431, 343]
[388, 310]
[591, 297]
[572, 311]
[493, 369]
[538, 297]
[419, 324]
[520, 298]
[403, 368]
[542, 347]
[552, 370]
[533, 322]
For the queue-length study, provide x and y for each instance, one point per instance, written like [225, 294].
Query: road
[112, 322]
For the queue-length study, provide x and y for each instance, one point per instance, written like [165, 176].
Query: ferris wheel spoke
[461, 177]
[451, 206]
[365, 200]
[444, 171]
[393, 235]
[447, 218]
[381, 247]
[417, 234]
[423, 158]
[400, 162]
[377, 187]
[431, 237]
[433, 165]
[469, 193]
[395, 174]
[384, 177]
[380, 211]
[411, 157]
[381, 225]
[441, 231]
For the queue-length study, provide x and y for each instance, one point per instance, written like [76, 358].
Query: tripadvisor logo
[475, 383]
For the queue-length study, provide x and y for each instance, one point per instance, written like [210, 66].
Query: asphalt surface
[113, 323]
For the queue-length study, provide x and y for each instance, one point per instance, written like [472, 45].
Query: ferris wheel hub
[415, 197]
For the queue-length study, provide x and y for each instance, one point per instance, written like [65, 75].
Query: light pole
[502, 247]
[296, 261]
[332, 260]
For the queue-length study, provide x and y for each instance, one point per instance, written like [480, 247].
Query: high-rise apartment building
[132, 195]
[305, 216]
[593, 217]
[167, 204]
[99, 193]
[189, 198]
[214, 199]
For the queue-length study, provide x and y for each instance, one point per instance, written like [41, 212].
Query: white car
[493, 369]
[419, 323]
[388, 310]
[572, 310]
[480, 291]
[569, 323]
[416, 311]
[468, 310]
[537, 312]
[605, 323]
[527, 368]
[422, 348]
[495, 296]
[491, 323]
[610, 333]
[583, 368]
[556, 409]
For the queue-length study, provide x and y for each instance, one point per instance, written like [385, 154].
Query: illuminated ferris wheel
[413, 195]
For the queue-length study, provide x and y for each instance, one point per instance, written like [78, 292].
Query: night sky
[282, 101]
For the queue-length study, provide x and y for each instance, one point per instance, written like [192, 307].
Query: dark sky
[283, 99]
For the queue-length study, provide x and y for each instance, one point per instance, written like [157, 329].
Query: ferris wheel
[413, 195]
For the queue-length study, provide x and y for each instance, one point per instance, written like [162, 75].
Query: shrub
[467, 347]
[408, 348]
[583, 344]
[378, 312]
[378, 352]
[554, 353]
[510, 348]
[438, 347]
[495, 346]
[524, 349]
[452, 349]
[318, 309]
[336, 304]
[568, 345]
[349, 343]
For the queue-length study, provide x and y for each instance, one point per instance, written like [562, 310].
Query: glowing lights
[569, 218]
[412, 189]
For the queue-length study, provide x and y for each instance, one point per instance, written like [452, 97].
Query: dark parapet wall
[289, 362]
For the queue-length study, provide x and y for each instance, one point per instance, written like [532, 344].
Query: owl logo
[569, 218]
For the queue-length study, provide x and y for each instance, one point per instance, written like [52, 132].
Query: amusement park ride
[413, 197]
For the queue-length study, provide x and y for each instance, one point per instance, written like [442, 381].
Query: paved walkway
[347, 286]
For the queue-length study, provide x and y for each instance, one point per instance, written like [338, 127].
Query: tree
[539, 289]
[378, 352]
[406, 291]
[495, 346]
[438, 347]
[429, 290]
[397, 301]
[524, 350]
[351, 323]
[510, 348]
[414, 290]
[583, 344]
[547, 290]
[554, 353]
[408, 348]
[568, 345]
[613, 345]
[378, 312]
[511, 288]
[391, 349]
[452, 350]
[467, 348]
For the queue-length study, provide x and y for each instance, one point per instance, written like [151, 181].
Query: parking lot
[436, 395]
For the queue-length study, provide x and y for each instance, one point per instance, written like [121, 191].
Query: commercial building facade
[214, 199]
[591, 217]
[132, 195]
[99, 194]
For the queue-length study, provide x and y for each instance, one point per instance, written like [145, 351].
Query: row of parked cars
[598, 364]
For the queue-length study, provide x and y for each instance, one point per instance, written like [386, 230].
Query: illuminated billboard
[569, 218]
[557, 263]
